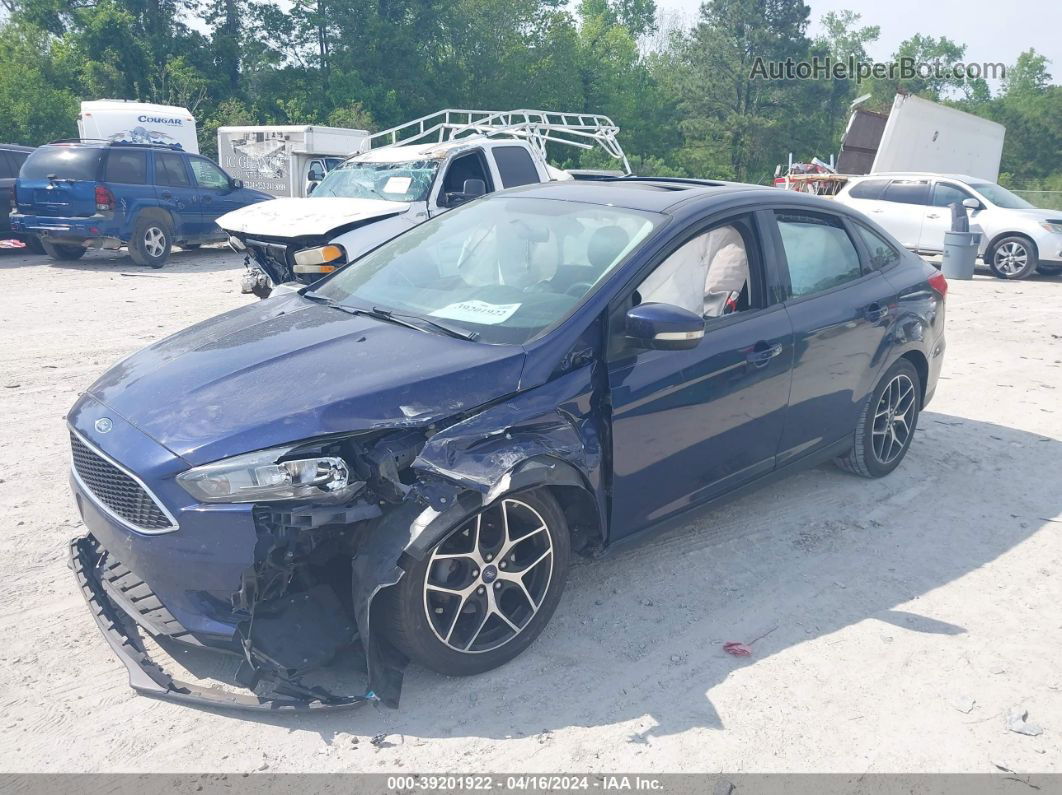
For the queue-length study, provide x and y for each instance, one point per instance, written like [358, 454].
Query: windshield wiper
[409, 321]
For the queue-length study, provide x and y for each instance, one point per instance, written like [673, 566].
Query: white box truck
[138, 122]
[286, 161]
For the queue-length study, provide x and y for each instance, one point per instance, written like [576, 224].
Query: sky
[992, 30]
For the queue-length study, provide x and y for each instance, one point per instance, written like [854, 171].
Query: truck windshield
[505, 268]
[1001, 197]
[393, 182]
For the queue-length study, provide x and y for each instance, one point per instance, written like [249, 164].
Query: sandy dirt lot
[895, 623]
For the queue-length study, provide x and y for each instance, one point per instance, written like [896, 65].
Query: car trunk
[59, 181]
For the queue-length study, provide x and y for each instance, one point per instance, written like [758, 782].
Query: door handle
[877, 211]
[207, 199]
[876, 312]
[762, 354]
[933, 215]
[166, 194]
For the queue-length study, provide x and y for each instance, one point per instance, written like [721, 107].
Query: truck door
[470, 165]
[173, 186]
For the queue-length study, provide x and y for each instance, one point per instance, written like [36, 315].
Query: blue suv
[75, 195]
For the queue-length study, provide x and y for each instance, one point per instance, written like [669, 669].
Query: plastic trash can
[960, 254]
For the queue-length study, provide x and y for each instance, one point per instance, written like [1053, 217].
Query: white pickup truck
[405, 180]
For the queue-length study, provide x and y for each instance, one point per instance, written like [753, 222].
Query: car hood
[310, 216]
[1034, 215]
[288, 369]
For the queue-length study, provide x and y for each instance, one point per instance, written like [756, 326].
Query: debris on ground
[737, 649]
[380, 741]
[964, 704]
[1018, 721]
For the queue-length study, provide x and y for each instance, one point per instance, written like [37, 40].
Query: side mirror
[971, 204]
[237, 184]
[473, 189]
[664, 327]
[316, 176]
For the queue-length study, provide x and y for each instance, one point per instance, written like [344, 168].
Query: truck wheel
[34, 245]
[150, 244]
[59, 252]
[1013, 257]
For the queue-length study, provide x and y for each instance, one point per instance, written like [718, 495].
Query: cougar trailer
[122, 121]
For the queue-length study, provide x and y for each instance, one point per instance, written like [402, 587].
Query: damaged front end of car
[324, 555]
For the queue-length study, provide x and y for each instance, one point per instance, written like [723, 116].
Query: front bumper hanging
[148, 678]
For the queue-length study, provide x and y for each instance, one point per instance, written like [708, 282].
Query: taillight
[939, 284]
[104, 198]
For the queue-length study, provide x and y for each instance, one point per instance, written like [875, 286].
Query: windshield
[504, 267]
[394, 182]
[1001, 197]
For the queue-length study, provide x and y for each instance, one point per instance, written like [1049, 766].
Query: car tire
[1013, 257]
[887, 423]
[1049, 270]
[34, 245]
[61, 252]
[152, 240]
[453, 597]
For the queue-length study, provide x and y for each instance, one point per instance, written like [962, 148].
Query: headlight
[1052, 226]
[323, 259]
[236, 244]
[263, 476]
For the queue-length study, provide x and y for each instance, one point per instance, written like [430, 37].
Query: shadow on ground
[180, 261]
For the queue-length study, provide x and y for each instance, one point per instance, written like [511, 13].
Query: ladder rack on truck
[537, 127]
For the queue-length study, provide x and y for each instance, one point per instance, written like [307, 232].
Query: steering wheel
[578, 289]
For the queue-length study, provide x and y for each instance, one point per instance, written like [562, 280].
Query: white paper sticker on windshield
[397, 185]
[477, 312]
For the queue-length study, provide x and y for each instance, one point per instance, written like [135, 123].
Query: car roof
[916, 175]
[649, 194]
[99, 143]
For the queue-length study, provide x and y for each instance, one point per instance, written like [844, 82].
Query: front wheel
[887, 424]
[1013, 257]
[484, 592]
[60, 252]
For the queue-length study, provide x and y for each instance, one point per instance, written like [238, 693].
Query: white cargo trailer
[286, 160]
[138, 122]
[920, 135]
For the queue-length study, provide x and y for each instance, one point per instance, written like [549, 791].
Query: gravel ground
[894, 624]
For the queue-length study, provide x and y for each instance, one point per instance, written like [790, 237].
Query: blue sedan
[399, 461]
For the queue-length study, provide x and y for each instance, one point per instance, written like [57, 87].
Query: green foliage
[687, 100]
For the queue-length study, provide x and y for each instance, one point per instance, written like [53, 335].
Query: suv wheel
[151, 241]
[60, 252]
[484, 592]
[887, 423]
[1013, 257]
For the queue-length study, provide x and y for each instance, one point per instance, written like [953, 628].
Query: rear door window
[515, 166]
[882, 253]
[818, 251]
[868, 189]
[126, 167]
[907, 191]
[7, 166]
[170, 170]
[63, 162]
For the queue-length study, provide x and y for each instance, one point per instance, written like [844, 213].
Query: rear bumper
[89, 232]
[146, 676]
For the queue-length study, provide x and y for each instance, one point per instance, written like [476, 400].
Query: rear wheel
[1013, 257]
[151, 240]
[484, 592]
[887, 424]
[61, 252]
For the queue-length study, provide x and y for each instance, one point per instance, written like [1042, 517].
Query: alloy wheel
[1010, 258]
[894, 419]
[489, 578]
[154, 241]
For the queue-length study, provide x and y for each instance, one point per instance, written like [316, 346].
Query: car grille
[116, 491]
